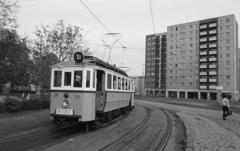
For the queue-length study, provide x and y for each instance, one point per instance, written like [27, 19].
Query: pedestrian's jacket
[225, 102]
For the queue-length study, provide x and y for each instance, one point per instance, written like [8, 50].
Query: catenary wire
[95, 16]
[153, 23]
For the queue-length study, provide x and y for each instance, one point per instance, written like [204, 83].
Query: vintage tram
[87, 89]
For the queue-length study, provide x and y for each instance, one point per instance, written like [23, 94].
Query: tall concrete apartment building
[155, 64]
[200, 57]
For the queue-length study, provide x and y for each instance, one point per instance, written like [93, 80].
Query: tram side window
[126, 84]
[119, 83]
[88, 75]
[114, 82]
[123, 80]
[67, 78]
[132, 85]
[94, 79]
[129, 84]
[77, 78]
[109, 81]
[57, 78]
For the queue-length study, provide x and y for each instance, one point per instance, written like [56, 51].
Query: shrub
[2, 108]
[13, 105]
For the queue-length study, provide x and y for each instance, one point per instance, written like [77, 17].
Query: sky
[131, 18]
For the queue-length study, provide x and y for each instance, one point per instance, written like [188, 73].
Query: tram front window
[57, 78]
[67, 78]
[77, 78]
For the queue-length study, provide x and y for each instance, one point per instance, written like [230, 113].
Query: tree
[41, 70]
[8, 9]
[15, 63]
[60, 39]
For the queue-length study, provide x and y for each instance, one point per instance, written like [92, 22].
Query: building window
[227, 20]
[227, 77]
[228, 62]
[228, 55]
[227, 41]
[228, 48]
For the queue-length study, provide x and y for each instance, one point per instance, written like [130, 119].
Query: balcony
[203, 73]
[203, 59]
[213, 52]
[203, 87]
[212, 80]
[203, 33]
[212, 38]
[212, 31]
[203, 53]
[203, 26]
[203, 80]
[214, 45]
[203, 66]
[213, 25]
[212, 59]
[203, 46]
[213, 66]
[203, 39]
[212, 87]
[212, 73]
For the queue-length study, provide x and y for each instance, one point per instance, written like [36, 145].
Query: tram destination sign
[78, 57]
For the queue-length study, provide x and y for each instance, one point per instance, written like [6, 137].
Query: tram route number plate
[64, 111]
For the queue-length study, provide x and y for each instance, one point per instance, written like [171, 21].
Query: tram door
[100, 95]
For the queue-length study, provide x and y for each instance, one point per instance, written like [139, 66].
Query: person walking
[225, 106]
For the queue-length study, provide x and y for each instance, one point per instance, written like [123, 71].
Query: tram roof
[91, 60]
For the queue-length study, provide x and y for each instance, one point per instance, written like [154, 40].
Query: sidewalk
[206, 135]
[206, 131]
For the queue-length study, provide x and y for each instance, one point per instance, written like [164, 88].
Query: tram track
[163, 138]
[47, 135]
[133, 133]
[166, 136]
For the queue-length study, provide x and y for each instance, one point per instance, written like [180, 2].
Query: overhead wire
[129, 48]
[153, 23]
[95, 16]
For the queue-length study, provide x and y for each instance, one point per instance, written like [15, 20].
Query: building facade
[155, 64]
[139, 85]
[201, 56]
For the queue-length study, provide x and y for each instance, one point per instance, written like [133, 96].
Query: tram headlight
[65, 103]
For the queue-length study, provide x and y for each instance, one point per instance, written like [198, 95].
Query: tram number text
[64, 111]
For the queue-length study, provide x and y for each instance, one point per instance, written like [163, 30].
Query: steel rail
[117, 144]
[166, 136]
